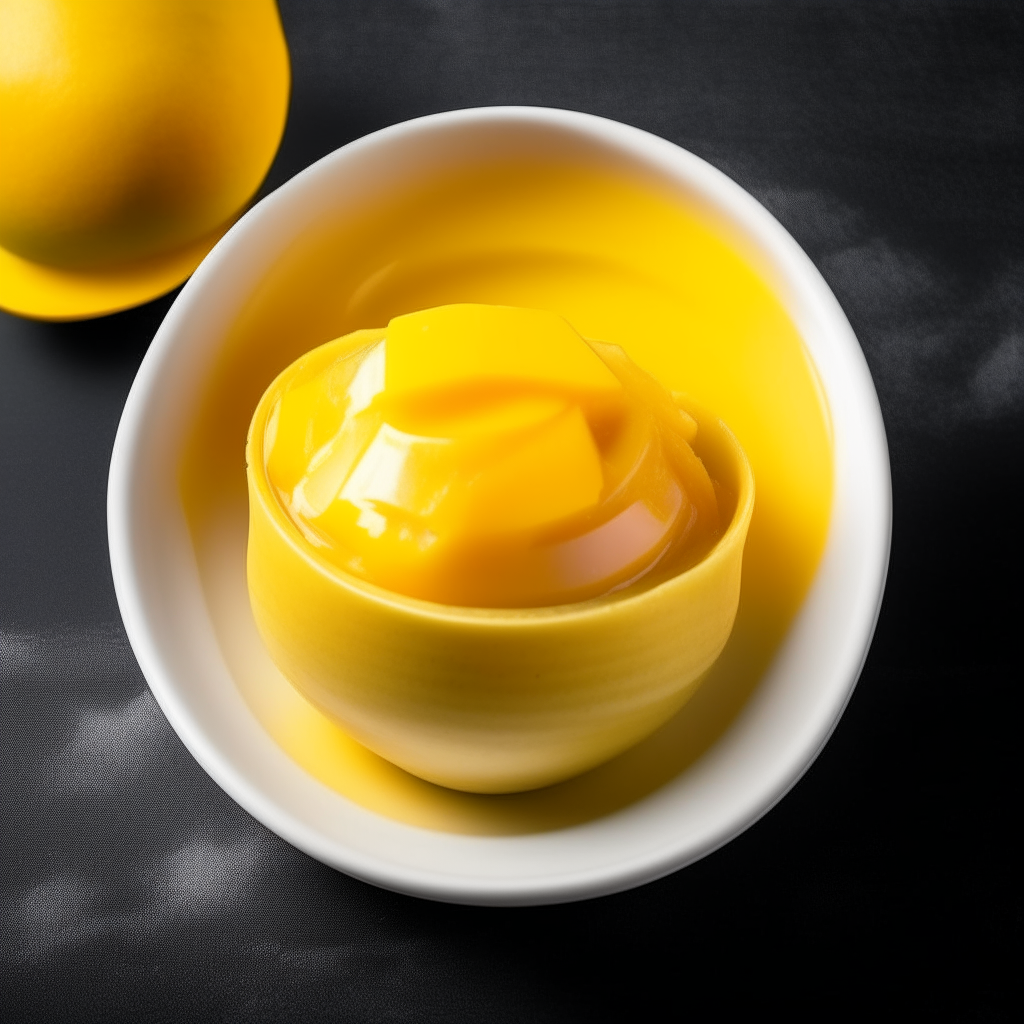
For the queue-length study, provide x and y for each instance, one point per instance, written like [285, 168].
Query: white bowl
[766, 748]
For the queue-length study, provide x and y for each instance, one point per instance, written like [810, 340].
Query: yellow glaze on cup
[482, 699]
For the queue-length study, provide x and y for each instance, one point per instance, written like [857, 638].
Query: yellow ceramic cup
[483, 699]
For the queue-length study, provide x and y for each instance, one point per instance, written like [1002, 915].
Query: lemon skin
[132, 128]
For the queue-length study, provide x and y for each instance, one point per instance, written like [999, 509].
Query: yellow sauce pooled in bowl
[621, 259]
[487, 456]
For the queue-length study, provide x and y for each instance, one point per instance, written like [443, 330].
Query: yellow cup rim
[389, 600]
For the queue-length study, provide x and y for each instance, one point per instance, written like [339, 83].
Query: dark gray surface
[888, 139]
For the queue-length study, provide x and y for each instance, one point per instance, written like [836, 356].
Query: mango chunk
[453, 346]
[553, 474]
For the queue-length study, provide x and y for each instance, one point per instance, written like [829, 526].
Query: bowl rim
[669, 850]
[513, 617]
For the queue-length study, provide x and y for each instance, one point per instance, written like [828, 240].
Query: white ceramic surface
[767, 748]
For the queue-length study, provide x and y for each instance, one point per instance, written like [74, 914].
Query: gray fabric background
[887, 137]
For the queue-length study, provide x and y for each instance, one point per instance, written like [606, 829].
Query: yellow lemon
[131, 133]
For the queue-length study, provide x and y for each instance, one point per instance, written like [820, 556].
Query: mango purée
[487, 456]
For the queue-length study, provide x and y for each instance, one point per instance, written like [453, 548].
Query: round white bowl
[766, 748]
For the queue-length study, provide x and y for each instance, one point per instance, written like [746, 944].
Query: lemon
[131, 133]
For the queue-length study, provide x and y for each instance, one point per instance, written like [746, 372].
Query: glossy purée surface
[484, 456]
